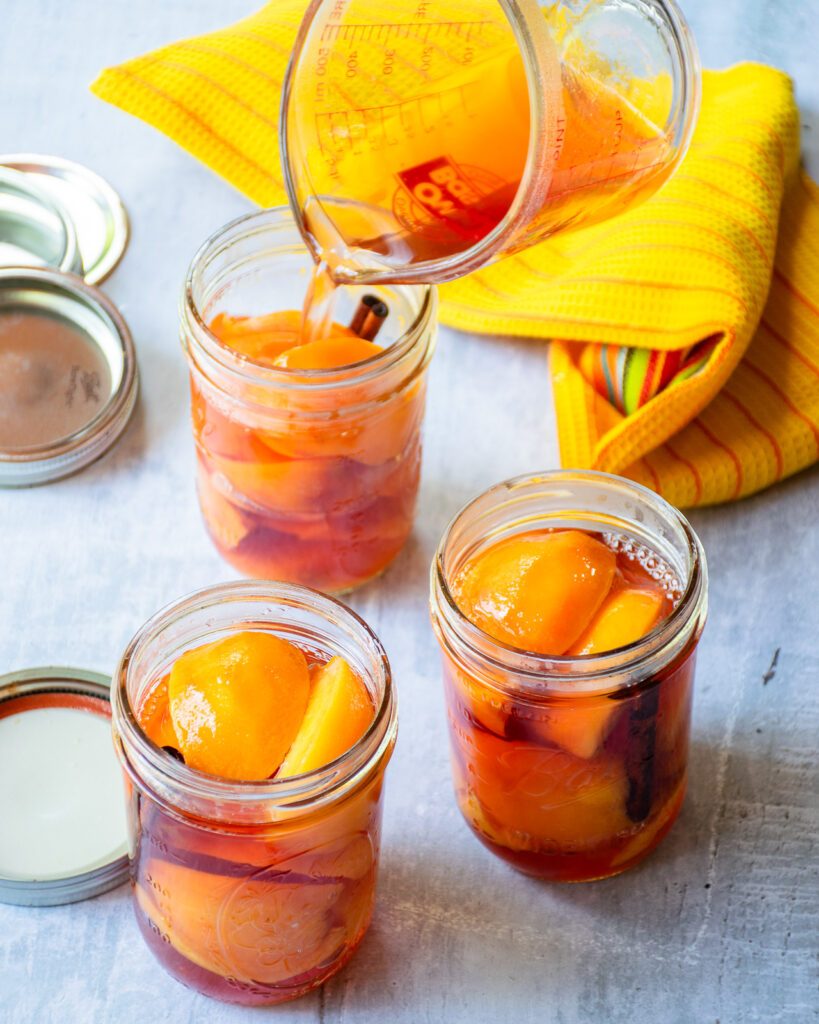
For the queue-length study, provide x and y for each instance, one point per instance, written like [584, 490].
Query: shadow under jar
[572, 768]
[309, 476]
[253, 892]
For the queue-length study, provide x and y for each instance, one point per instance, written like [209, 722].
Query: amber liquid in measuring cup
[446, 206]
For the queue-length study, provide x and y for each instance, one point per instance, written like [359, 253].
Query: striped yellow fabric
[708, 259]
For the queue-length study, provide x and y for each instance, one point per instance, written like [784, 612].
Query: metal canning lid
[91, 204]
[64, 835]
[68, 375]
[35, 229]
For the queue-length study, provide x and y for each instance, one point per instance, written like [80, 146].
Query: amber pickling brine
[308, 455]
[568, 607]
[248, 888]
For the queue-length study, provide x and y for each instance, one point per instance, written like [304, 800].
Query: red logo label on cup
[442, 191]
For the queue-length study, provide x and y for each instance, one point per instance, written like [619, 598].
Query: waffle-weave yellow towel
[685, 333]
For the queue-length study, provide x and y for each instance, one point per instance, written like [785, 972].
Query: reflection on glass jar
[253, 892]
[304, 475]
[572, 767]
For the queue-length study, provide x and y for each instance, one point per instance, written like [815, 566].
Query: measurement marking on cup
[420, 115]
[421, 29]
[401, 105]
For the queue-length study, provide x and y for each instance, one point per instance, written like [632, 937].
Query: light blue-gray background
[720, 925]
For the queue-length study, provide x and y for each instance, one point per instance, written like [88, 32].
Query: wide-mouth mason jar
[572, 768]
[309, 476]
[253, 892]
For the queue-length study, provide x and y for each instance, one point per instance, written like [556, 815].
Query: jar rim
[569, 675]
[298, 791]
[249, 371]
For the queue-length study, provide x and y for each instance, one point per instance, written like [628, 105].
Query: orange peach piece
[537, 591]
[261, 338]
[339, 349]
[481, 702]
[237, 704]
[372, 437]
[288, 486]
[217, 433]
[312, 489]
[339, 712]
[579, 727]
[155, 717]
[627, 614]
[475, 813]
[226, 522]
[386, 432]
[549, 794]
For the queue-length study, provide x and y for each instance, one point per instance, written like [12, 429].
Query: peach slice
[339, 349]
[475, 814]
[155, 717]
[312, 488]
[290, 486]
[537, 591]
[225, 521]
[372, 437]
[379, 434]
[579, 728]
[237, 704]
[339, 712]
[627, 614]
[216, 432]
[261, 338]
[485, 705]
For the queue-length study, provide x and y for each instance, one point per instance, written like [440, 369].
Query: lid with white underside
[61, 797]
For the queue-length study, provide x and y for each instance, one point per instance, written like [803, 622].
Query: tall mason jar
[253, 892]
[572, 768]
[309, 476]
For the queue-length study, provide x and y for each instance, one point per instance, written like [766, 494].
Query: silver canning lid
[91, 204]
[64, 835]
[35, 229]
[68, 375]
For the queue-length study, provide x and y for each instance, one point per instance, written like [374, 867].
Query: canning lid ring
[38, 289]
[91, 205]
[48, 233]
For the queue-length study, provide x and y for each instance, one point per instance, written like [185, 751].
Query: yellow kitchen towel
[685, 333]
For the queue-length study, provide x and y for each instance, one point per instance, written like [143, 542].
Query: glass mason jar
[308, 476]
[572, 768]
[253, 892]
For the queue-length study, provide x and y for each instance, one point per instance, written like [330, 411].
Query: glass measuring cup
[422, 140]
